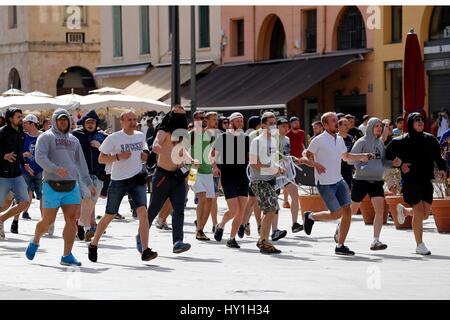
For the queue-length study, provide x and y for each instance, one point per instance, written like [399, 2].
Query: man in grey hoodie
[368, 177]
[59, 153]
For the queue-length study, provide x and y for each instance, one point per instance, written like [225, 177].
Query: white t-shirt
[328, 151]
[265, 150]
[119, 142]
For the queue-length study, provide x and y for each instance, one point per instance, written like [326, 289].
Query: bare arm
[161, 137]
[354, 157]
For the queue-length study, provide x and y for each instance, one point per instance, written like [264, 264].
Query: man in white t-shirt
[125, 151]
[328, 149]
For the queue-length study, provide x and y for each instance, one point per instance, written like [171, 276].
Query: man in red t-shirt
[296, 138]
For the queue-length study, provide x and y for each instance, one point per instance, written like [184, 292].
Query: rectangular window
[396, 93]
[203, 20]
[170, 28]
[396, 22]
[311, 31]
[144, 29]
[117, 31]
[12, 17]
[237, 34]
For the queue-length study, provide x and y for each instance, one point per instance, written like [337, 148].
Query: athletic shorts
[266, 195]
[414, 192]
[53, 199]
[362, 188]
[204, 183]
[235, 188]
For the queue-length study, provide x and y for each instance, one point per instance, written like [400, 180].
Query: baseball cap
[282, 121]
[235, 115]
[294, 118]
[59, 116]
[31, 118]
[365, 117]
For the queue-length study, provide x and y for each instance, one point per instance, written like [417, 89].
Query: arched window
[440, 23]
[76, 78]
[272, 39]
[351, 30]
[14, 79]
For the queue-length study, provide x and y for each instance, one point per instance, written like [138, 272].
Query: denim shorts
[117, 190]
[84, 188]
[54, 199]
[17, 186]
[34, 183]
[335, 195]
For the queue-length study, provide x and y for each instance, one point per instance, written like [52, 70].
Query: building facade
[136, 49]
[52, 49]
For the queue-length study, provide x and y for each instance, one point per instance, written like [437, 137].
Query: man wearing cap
[229, 158]
[353, 130]
[59, 153]
[91, 138]
[11, 179]
[33, 177]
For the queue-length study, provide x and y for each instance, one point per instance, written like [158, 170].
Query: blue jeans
[335, 195]
[166, 186]
[117, 190]
[34, 183]
[17, 186]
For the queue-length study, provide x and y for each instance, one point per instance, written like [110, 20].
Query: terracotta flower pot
[441, 214]
[368, 211]
[392, 202]
[312, 203]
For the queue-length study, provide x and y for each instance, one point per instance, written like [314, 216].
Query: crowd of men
[69, 168]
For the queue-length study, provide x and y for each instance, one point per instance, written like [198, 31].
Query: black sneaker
[218, 234]
[92, 255]
[118, 216]
[15, 226]
[148, 254]
[343, 251]
[80, 233]
[278, 234]
[134, 213]
[214, 229]
[231, 243]
[241, 231]
[308, 223]
[26, 215]
[297, 227]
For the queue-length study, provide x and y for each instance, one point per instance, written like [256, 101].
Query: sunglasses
[225, 122]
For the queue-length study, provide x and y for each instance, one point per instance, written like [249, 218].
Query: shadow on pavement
[21, 249]
[283, 256]
[148, 267]
[74, 269]
[417, 258]
[192, 259]
[291, 244]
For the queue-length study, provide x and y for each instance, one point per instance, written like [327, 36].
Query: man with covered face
[419, 152]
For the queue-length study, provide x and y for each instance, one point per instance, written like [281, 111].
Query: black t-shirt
[232, 155]
[347, 169]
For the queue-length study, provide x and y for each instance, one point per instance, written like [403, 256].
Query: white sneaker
[423, 250]
[51, 230]
[2, 231]
[400, 215]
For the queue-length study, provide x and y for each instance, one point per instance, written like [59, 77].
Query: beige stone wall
[16, 35]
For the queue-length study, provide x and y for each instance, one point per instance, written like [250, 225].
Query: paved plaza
[306, 269]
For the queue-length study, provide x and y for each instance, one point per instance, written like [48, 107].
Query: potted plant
[395, 197]
[441, 205]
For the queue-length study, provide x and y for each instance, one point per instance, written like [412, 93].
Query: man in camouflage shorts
[264, 169]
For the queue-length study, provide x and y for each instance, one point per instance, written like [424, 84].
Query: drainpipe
[255, 34]
[324, 29]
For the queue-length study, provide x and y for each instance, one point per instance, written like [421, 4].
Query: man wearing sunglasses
[419, 152]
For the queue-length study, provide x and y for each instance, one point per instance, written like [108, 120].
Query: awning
[266, 83]
[122, 70]
[156, 84]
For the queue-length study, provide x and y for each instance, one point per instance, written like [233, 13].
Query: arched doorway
[272, 39]
[76, 78]
[14, 79]
[440, 23]
[351, 32]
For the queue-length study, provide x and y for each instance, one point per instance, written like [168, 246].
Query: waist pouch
[62, 186]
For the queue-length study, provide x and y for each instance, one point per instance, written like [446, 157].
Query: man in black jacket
[11, 179]
[419, 152]
[90, 137]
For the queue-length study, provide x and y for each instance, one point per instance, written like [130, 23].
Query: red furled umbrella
[413, 80]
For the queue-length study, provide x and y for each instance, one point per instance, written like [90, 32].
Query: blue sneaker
[180, 247]
[31, 250]
[70, 260]
[138, 243]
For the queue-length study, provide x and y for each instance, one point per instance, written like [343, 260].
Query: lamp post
[175, 97]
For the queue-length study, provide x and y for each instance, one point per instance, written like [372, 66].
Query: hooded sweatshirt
[61, 149]
[85, 137]
[420, 149]
[373, 169]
